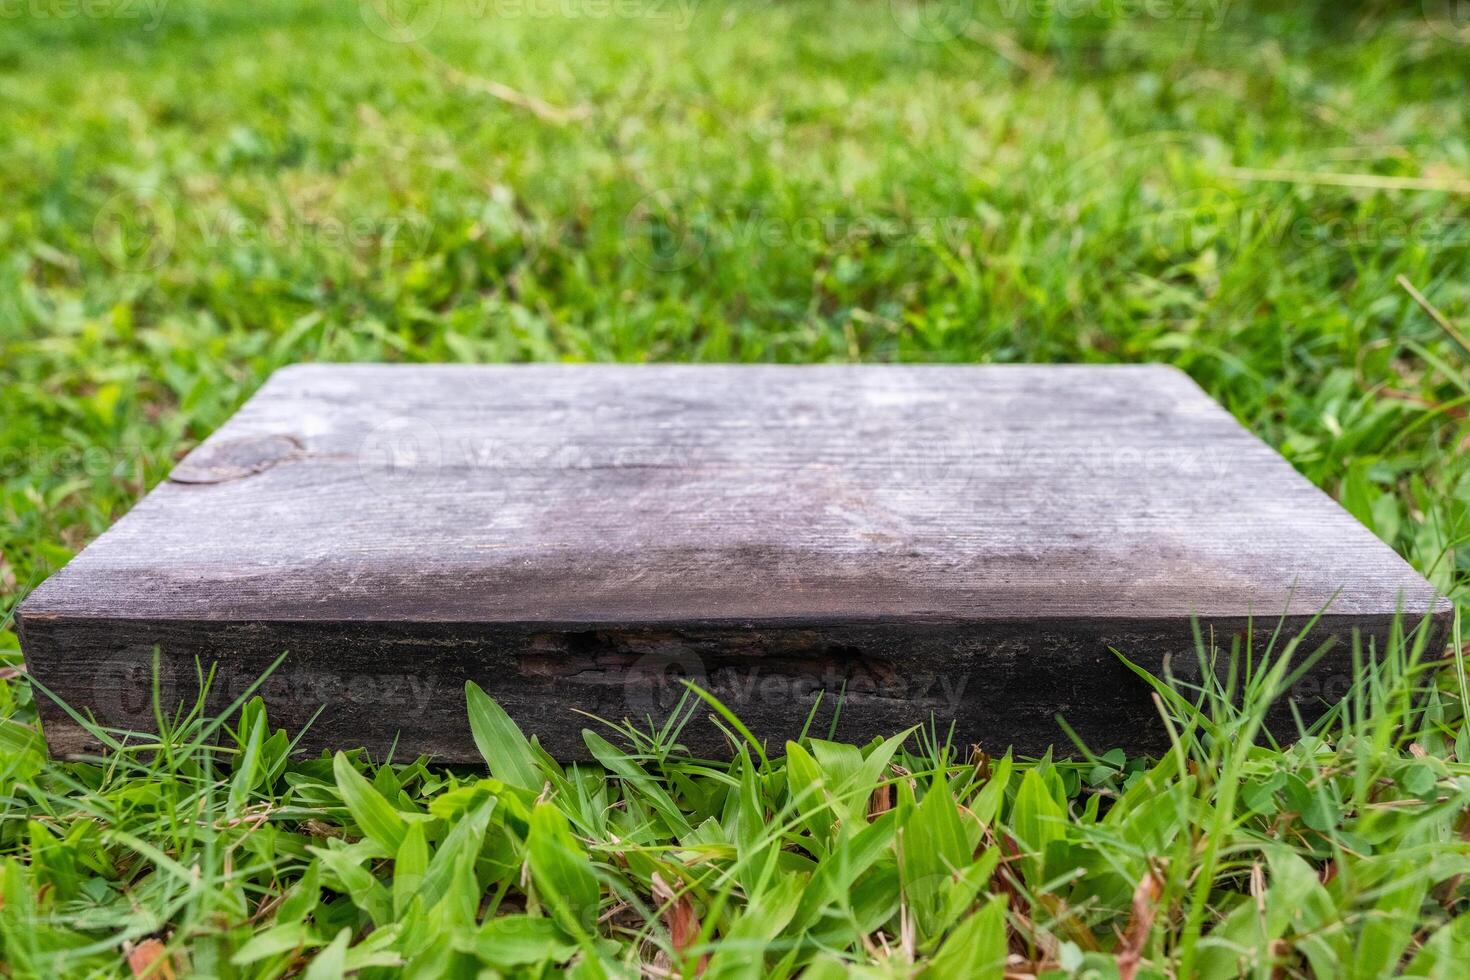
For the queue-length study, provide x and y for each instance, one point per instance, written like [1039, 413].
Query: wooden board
[955, 543]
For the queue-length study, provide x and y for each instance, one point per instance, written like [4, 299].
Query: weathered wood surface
[961, 543]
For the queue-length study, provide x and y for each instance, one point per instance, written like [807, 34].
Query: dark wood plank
[961, 542]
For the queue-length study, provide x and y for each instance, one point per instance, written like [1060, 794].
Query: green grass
[203, 192]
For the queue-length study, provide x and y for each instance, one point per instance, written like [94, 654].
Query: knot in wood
[232, 459]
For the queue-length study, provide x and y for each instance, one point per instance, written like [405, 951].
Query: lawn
[1277, 201]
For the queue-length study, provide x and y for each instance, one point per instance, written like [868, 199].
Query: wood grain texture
[573, 536]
